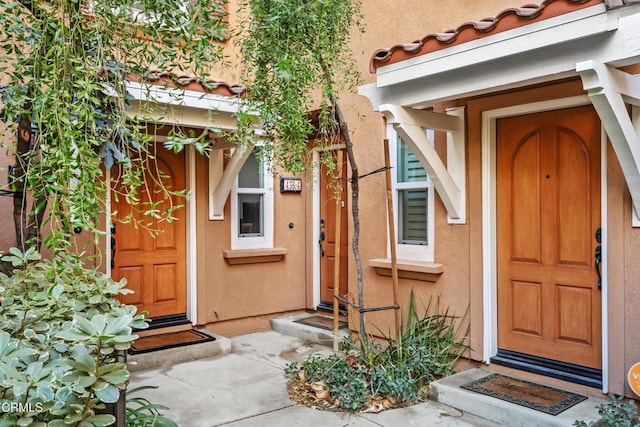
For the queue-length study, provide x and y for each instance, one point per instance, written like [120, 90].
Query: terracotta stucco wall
[249, 290]
[227, 292]
[632, 290]
[7, 234]
[388, 24]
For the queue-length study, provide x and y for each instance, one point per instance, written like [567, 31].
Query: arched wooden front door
[155, 268]
[548, 207]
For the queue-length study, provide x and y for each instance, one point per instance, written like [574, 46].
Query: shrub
[376, 377]
[142, 413]
[616, 413]
[62, 328]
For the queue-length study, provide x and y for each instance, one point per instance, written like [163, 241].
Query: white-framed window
[413, 202]
[252, 206]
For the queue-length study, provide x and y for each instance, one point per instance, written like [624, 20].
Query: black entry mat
[321, 322]
[524, 393]
[168, 340]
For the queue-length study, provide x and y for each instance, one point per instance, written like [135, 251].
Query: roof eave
[542, 51]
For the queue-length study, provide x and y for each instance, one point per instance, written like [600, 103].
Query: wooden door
[328, 232]
[548, 177]
[155, 268]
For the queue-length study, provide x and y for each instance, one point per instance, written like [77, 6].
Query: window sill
[254, 256]
[409, 269]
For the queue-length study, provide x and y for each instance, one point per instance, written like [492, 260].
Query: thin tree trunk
[34, 226]
[27, 226]
[19, 187]
[355, 211]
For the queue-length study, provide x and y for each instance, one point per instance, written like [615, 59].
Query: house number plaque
[290, 185]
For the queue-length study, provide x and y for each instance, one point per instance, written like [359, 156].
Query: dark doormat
[168, 340]
[524, 393]
[321, 322]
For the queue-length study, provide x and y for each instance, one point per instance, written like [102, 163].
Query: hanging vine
[65, 65]
[297, 58]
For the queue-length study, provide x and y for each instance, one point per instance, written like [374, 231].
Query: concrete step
[448, 391]
[172, 356]
[288, 326]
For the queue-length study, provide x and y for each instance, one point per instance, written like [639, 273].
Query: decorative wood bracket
[610, 90]
[448, 180]
[222, 178]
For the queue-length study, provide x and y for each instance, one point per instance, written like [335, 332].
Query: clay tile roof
[507, 19]
[167, 79]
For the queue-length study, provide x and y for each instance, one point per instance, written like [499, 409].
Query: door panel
[155, 268]
[548, 177]
[328, 231]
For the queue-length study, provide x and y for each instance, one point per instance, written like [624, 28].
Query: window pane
[251, 175]
[250, 212]
[413, 216]
[408, 165]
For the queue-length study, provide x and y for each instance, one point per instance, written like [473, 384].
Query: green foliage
[62, 332]
[65, 67]
[295, 51]
[398, 372]
[142, 413]
[616, 413]
[436, 339]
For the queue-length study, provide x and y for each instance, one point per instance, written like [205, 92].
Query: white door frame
[191, 243]
[489, 215]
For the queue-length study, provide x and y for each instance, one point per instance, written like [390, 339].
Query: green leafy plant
[63, 332]
[372, 376]
[616, 413]
[296, 58]
[67, 69]
[142, 413]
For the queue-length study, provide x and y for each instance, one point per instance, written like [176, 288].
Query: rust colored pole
[392, 237]
[336, 269]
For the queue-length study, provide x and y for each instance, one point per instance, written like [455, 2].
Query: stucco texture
[632, 291]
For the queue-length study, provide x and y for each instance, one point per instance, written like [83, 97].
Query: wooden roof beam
[222, 178]
[448, 180]
[610, 90]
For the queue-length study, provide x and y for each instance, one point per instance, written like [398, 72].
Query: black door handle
[321, 239]
[597, 263]
[598, 257]
[113, 246]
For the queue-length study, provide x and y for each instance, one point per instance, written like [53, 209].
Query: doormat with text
[321, 322]
[168, 340]
[524, 393]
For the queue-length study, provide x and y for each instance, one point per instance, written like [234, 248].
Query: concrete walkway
[247, 387]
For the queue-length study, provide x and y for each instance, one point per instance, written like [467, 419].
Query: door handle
[113, 246]
[598, 257]
[321, 239]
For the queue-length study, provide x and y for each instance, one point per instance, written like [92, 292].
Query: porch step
[448, 391]
[288, 326]
[171, 356]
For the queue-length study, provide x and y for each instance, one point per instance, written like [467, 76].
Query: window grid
[412, 197]
[252, 206]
